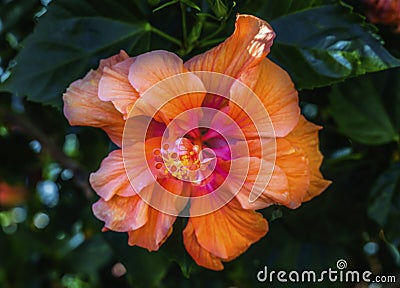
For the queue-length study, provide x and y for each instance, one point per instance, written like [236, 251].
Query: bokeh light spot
[41, 220]
[35, 146]
[118, 270]
[18, 214]
[48, 193]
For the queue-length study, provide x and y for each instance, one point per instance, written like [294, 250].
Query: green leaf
[385, 208]
[358, 110]
[324, 45]
[219, 8]
[391, 90]
[175, 251]
[191, 4]
[166, 5]
[382, 195]
[273, 9]
[14, 11]
[276, 214]
[85, 258]
[393, 249]
[68, 41]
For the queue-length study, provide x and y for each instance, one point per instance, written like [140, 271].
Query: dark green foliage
[350, 113]
[318, 51]
[68, 41]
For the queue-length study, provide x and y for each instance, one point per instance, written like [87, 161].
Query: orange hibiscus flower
[213, 139]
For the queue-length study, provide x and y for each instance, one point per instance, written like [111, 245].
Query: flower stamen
[183, 160]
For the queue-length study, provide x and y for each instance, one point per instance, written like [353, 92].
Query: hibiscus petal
[111, 178]
[154, 68]
[294, 164]
[229, 231]
[305, 137]
[276, 91]
[122, 214]
[83, 107]
[263, 186]
[114, 86]
[246, 109]
[139, 163]
[146, 226]
[288, 184]
[156, 231]
[248, 45]
[201, 256]
[140, 128]
[165, 196]
[264, 148]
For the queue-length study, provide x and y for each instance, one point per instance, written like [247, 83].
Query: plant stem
[220, 28]
[22, 124]
[210, 42]
[166, 36]
[184, 28]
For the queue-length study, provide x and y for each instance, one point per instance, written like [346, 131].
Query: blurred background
[344, 67]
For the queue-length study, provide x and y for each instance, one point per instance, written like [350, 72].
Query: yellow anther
[181, 160]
